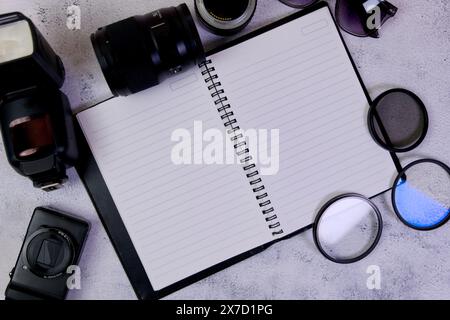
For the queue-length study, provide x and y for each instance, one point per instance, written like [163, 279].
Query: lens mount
[225, 17]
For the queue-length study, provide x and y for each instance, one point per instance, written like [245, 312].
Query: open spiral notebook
[174, 224]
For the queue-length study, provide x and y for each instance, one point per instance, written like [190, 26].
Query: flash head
[26, 58]
[137, 52]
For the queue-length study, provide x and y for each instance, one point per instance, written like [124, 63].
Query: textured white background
[413, 52]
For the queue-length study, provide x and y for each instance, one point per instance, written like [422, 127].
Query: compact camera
[53, 243]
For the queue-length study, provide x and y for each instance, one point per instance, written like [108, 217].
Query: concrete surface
[413, 52]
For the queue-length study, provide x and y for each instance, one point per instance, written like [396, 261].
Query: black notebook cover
[110, 216]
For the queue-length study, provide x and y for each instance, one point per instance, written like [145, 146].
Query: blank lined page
[182, 219]
[299, 79]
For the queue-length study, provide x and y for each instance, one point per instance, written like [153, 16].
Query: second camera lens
[225, 17]
[136, 52]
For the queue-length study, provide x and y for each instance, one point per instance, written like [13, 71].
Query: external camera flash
[35, 116]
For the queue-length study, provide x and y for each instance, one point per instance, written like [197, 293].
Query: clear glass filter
[348, 228]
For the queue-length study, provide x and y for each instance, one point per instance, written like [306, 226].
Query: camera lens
[49, 252]
[225, 17]
[136, 52]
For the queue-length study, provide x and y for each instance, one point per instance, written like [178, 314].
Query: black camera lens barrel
[135, 53]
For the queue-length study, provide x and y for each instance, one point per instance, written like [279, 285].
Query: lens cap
[49, 252]
[225, 17]
[398, 120]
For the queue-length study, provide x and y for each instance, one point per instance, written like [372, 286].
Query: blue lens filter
[421, 195]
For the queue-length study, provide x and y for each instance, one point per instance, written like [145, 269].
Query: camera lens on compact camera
[49, 252]
[137, 52]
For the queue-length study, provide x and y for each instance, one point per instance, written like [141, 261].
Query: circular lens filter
[421, 194]
[299, 3]
[347, 228]
[398, 120]
[225, 17]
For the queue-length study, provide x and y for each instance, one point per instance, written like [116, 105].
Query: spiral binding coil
[240, 145]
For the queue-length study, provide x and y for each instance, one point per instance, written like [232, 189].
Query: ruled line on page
[300, 102]
[173, 176]
[283, 72]
[141, 201]
[168, 249]
[137, 139]
[323, 39]
[293, 82]
[112, 122]
[177, 220]
[218, 217]
[311, 157]
[134, 129]
[184, 208]
[188, 124]
[205, 254]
